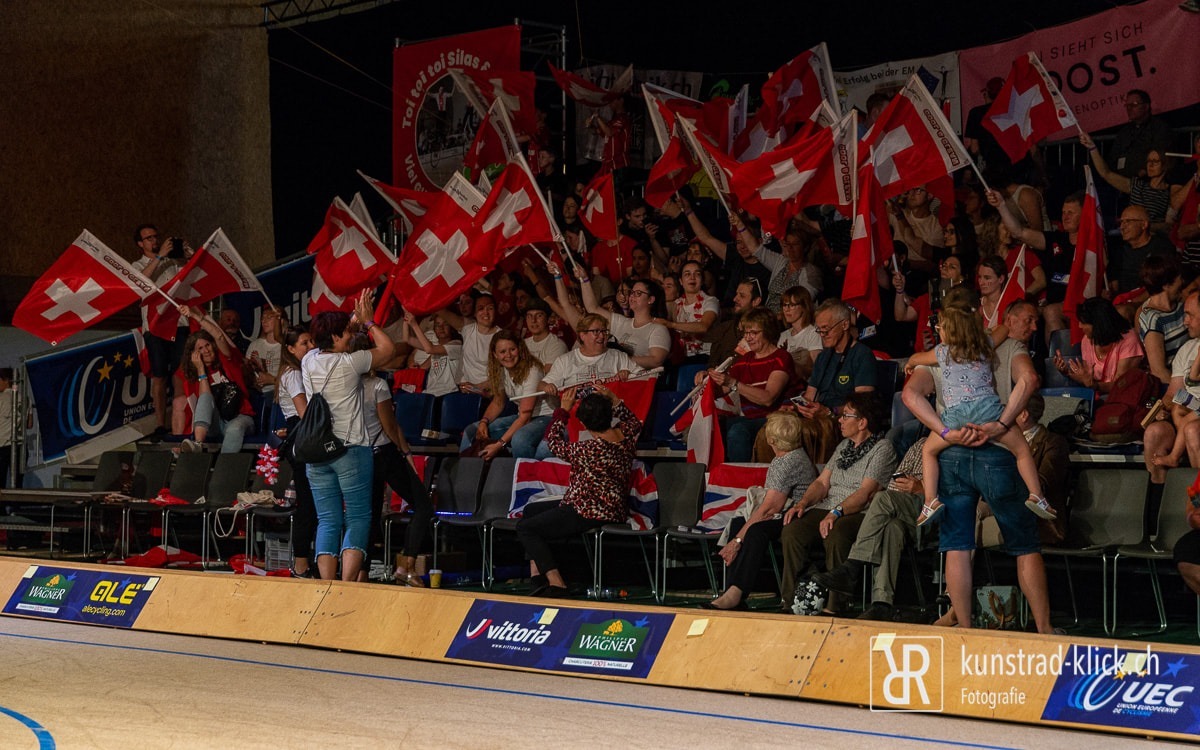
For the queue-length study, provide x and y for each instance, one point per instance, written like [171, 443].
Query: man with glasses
[724, 337]
[844, 366]
[159, 262]
[1137, 244]
[738, 256]
[1143, 133]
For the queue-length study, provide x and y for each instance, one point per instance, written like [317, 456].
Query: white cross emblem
[884, 152]
[512, 101]
[78, 301]
[321, 289]
[185, 287]
[795, 90]
[787, 182]
[441, 258]
[595, 205]
[1019, 105]
[351, 240]
[505, 212]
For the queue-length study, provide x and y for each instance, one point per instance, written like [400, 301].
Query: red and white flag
[718, 165]
[440, 260]
[322, 299]
[514, 214]
[1087, 267]
[791, 93]
[755, 139]
[495, 141]
[409, 204]
[674, 169]
[1028, 108]
[214, 269]
[589, 94]
[350, 256]
[911, 143]
[1014, 291]
[88, 283]
[870, 247]
[818, 169]
[515, 87]
[704, 443]
[599, 210]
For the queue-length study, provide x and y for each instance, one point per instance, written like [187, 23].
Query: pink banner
[1151, 46]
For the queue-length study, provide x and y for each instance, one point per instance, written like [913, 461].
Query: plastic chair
[457, 411]
[414, 414]
[492, 503]
[1171, 525]
[1077, 392]
[265, 512]
[1107, 512]
[685, 378]
[230, 475]
[457, 487]
[680, 496]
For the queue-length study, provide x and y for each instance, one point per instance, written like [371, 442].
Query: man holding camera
[160, 262]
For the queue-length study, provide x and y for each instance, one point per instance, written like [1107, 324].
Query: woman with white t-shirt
[342, 487]
[694, 312]
[292, 402]
[800, 338]
[512, 372]
[438, 352]
[648, 342]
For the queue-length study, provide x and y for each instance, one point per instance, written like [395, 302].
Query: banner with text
[938, 72]
[433, 124]
[94, 597]
[1095, 61]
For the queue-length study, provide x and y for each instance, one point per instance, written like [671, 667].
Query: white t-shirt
[547, 350]
[475, 354]
[574, 367]
[167, 268]
[807, 338]
[445, 370]
[542, 405]
[693, 312]
[268, 354]
[291, 384]
[1183, 363]
[338, 376]
[376, 392]
[639, 339]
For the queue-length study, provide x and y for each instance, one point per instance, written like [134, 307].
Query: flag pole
[539, 252]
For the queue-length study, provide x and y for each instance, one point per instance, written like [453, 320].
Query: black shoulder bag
[312, 440]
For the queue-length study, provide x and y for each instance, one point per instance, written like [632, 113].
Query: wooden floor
[75, 686]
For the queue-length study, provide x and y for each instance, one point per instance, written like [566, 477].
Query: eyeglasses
[149, 237]
[826, 331]
[849, 415]
[749, 331]
[639, 293]
[602, 331]
[789, 304]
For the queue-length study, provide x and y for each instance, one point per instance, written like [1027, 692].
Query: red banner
[433, 123]
[1096, 60]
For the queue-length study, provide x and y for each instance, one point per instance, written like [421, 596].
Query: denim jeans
[989, 471]
[342, 493]
[525, 441]
[739, 434]
[233, 433]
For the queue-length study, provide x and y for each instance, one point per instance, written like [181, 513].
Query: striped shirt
[1156, 201]
[1169, 324]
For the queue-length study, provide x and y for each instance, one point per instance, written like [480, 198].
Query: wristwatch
[838, 512]
[733, 386]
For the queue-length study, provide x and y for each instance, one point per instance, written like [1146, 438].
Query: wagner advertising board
[597, 642]
[94, 597]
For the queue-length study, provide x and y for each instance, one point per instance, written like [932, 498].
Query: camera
[176, 249]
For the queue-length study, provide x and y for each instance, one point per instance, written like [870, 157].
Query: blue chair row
[415, 413]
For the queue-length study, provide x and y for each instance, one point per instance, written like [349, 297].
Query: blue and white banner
[95, 597]
[287, 285]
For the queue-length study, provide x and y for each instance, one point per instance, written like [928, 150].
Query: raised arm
[588, 294]
[1116, 179]
[1035, 238]
[705, 237]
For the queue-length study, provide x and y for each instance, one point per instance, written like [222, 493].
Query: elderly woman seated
[788, 478]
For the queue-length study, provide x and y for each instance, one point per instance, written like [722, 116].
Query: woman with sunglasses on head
[759, 379]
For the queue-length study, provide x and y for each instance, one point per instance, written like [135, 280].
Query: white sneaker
[190, 446]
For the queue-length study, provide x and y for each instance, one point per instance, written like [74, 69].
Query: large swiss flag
[215, 269]
[1028, 108]
[88, 283]
[350, 256]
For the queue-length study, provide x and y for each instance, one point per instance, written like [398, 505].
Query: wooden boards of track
[1107, 685]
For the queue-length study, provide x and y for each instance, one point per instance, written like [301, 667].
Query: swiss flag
[1028, 108]
[796, 89]
[513, 215]
[1087, 267]
[495, 141]
[713, 118]
[88, 283]
[587, 93]
[911, 143]
[704, 443]
[215, 269]
[818, 169]
[349, 255]
[409, 204]
[755, 139]
[870, 247]
[674, 169]
[323, 299]
[718, 165]
[439, 261]
[1014, 290]
[515, 87]
[599, 210]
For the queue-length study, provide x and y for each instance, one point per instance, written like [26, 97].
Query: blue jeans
[989, 471]
[739, 437]
[524, 443]
[342, 493]
[233, 432]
